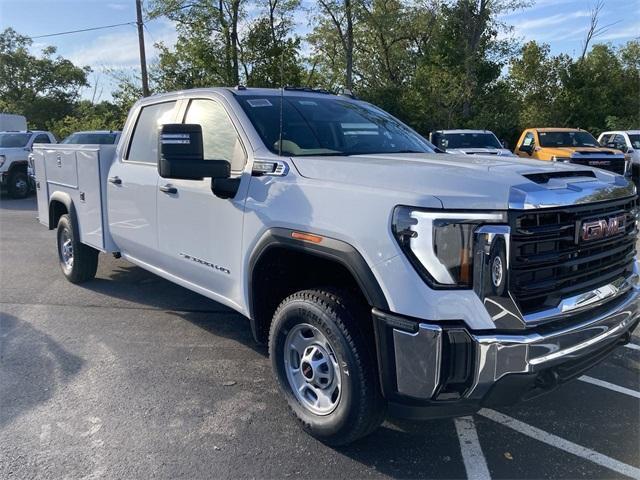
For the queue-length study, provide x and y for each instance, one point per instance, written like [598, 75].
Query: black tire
[360, 408]
[18, 183]
[84, 259]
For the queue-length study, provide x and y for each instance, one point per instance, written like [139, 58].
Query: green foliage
[212, 49]
[87, 116]
[599, 92]
[42, 88]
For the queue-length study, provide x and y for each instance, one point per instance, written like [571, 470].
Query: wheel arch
[60, 203]
[279, 261]
[18, 164]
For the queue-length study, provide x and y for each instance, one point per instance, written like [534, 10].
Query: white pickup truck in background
[469, 142]
[383, 276]
[15, 147]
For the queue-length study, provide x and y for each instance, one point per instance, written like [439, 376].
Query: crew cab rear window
[144, 142]
[42, 138]
[220, 139]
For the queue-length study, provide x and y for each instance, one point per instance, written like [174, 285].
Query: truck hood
[464, 182]
[568, 151]
[12, 150]
[481, 151]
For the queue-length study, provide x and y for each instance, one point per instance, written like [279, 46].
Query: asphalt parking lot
[130, 376]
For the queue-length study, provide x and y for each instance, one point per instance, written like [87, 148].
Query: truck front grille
[615, 165]
[549, 261]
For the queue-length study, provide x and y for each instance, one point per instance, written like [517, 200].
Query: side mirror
[504, 143]
[526, 148]
[180, 154]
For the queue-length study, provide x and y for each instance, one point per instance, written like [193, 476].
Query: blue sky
[560, 23]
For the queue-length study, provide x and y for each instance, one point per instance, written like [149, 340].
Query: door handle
[115, 180]
[169, 189]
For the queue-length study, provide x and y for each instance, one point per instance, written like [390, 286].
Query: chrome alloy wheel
[312, 369]
[66, 249]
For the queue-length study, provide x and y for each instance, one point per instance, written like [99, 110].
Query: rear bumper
[434, 369]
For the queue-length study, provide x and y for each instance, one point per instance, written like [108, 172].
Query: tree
[334, 32]
[270, 49]
[600, 92]
[41, 88]
[469, 40]
[537, 79]
[207, 49]
[88, 116]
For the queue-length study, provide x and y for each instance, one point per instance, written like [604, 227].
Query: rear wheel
[78, 261]
[325, 365]
[18, 184]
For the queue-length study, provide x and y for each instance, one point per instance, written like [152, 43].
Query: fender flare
[17, 164]
[331, 249]
[66, 200]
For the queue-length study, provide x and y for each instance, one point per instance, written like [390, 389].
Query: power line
[85, 30]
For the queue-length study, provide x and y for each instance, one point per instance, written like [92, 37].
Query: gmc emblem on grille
[602, 228]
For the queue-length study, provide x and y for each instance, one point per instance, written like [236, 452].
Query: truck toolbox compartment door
[42, 190]
[89, 201]
[61, 167]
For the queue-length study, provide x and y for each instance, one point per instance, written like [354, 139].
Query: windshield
[635, 141]
[14, 140]
[91, 138]
[468, 140]
[328, 126]
[567, 139]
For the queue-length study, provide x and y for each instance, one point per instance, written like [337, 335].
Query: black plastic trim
[66, 200]
[509, 390]
[330, 249]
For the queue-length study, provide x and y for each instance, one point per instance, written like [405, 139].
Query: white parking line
[472, 456]
[632, 346]
[610, 386]
[561, 443]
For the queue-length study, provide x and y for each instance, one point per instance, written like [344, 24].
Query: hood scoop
[594, 152]
[545, 177]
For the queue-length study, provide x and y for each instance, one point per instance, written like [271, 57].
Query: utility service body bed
[81, 173]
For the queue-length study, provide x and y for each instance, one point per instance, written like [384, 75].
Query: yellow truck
[570, 145]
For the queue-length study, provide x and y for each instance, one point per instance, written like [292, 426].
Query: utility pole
[143, 56]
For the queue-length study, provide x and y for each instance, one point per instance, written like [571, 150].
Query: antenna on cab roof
[281, 102]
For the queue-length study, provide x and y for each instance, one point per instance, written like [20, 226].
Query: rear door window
[144, 142]
[619, 142]
[220, 140]
[42, 138]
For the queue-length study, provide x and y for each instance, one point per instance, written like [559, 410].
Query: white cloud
[540, 26]
[118, 6]
[120, 50]
[616, 33]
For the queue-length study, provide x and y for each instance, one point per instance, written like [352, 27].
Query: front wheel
[78, 261]
[18, 185]
[326, 366]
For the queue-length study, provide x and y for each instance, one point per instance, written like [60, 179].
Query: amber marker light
[306, 237]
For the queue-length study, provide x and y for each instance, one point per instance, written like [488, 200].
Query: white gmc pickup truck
[384, 277]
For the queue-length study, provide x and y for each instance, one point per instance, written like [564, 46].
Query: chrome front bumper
[422, 355]
[500, 355]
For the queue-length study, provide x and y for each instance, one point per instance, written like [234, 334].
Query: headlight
[2, 160]
[561, 159]
[439, 244]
